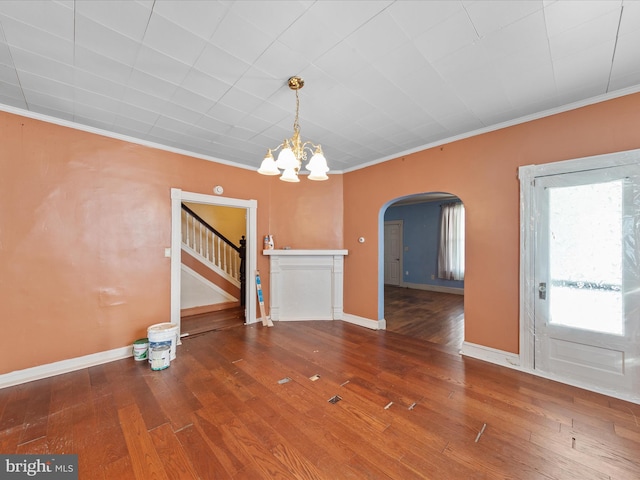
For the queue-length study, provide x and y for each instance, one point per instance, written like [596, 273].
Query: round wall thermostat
[361, 240]
[218, 190]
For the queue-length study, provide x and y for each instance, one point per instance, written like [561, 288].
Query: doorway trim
[177, 197]
[527, 175]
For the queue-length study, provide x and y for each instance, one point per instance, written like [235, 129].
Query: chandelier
[293, 151]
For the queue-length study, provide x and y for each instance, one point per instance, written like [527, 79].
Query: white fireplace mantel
[306, 284]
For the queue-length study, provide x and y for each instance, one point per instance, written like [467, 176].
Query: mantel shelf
[305, 252]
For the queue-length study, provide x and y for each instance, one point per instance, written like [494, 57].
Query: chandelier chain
[296, 125]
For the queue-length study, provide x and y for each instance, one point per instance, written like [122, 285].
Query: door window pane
[585, 257]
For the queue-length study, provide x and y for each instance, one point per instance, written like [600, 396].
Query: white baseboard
[511, 360]
[365, 322]
[64, 366]
[491, 355]
[585, 386]
[434, 288]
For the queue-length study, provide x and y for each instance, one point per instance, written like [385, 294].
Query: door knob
[542, 291]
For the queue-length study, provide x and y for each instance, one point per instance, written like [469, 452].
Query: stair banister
[212, 245]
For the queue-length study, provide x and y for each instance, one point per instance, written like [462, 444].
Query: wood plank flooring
[210, 321]
[432, 316]
[409, 409]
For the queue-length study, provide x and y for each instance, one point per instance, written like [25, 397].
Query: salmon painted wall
[84, 220]
[295, 208]
[482, 171]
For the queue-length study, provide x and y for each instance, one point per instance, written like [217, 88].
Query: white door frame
[251, 260]
[528, 290]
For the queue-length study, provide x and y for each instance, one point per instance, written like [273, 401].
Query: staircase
[210, 256]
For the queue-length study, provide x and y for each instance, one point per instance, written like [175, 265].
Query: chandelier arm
[314, 145]
[304, 147]
[279, 147]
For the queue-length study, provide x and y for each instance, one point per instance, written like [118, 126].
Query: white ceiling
[381, 77]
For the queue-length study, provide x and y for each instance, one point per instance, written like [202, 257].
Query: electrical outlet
[433, 277]
[407, 272]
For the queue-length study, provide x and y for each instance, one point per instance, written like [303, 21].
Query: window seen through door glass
[585, 257]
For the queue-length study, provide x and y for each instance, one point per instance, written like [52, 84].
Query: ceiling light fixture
[293, 151]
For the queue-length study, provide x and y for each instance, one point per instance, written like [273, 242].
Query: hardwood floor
[409, 409]
[432, 316]
[211, 321]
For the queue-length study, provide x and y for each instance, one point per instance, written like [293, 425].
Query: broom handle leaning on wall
[265, 320]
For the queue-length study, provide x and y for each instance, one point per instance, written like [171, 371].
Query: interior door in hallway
[392, 252]
[587, 275]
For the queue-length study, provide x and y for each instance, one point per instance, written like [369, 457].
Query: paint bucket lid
[161, 327]
[141, 341]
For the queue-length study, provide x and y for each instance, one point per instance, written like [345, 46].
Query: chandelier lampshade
[293, 152]
[318, 166]
[268, 165]
[289, 175]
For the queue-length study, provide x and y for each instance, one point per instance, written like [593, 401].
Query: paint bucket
[163, 334]
[160, 357]
[140, 349]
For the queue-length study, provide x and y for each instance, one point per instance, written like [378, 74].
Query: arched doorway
[418, 299]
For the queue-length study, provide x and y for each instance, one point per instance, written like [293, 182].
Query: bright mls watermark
[50, 467]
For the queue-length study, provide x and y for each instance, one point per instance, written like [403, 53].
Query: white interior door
[392, 252]
[587, 276]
